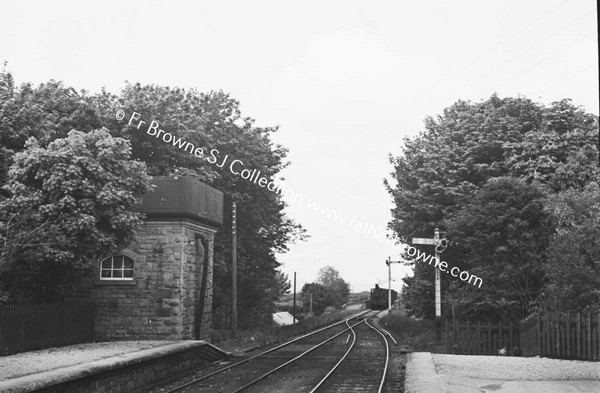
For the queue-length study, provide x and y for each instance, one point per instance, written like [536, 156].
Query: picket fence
[561, 335]
[481, 338]
[551, 334]
[26, 327]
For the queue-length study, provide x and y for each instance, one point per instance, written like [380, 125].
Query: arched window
[116, 267]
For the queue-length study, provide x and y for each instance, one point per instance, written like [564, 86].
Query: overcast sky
[345, 81]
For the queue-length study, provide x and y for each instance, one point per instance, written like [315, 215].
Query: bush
[415, 334]
[402, 323]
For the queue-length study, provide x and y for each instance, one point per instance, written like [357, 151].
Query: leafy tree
[74, 201]
[330, 290]
[337, 290]
[213, 121]
[46, 112]
[328, 275]
[573, 264]
[504, 235]
[441, 172]
[562, 151]
[418, 292]
[317, 294]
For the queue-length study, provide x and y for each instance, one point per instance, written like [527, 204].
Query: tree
[328, 276]
[315, 294]
[209, 120]
[337, 290]
[418, 292]
[503, 233]
[441, 172]
[74, 201]
[573, 264]
[561, 152]
[330, 290]
[46, 112]
[213, 121]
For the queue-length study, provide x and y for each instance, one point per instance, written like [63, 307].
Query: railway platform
[421, 376]
[344, 356]
[427, 373]
[103, 367]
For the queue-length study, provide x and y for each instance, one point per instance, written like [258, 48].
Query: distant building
[160, 287]
[283, 318]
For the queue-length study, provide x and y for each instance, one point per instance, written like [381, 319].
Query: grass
[273, 334]
[415, 334]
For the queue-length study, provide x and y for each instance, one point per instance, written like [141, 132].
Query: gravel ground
[516, 368]
[26, 363]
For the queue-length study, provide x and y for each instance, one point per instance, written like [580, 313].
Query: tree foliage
[573, 264]
[481, 171]
[213, 121]
[71, 203]
[441, 169]
[503, 235]
[314, 295]
[561, 151]
[418, 292]
[210, 120]
[330, 290]
[337, 289]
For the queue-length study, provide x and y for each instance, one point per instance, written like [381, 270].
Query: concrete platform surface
[32, 362]
[420, 374]
[41, 371]
[427, 373]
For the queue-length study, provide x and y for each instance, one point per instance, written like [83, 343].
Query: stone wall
[162, 301]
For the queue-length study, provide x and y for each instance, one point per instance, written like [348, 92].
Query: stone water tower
[160, 287]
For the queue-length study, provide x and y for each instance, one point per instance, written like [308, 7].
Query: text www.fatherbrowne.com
[443, 266]
[369, 230]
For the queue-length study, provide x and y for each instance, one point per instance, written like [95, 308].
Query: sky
[346, 81]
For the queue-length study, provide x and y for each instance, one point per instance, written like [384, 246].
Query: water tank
[183, 197]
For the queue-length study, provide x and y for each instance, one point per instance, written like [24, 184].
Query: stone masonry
[170, 296]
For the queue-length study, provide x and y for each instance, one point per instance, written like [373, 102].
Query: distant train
[379, 298]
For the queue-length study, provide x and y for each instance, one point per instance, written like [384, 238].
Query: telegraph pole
[233, 272]
[294, 299]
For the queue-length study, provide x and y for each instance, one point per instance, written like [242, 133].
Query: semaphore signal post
[389, 262]
[440, 247]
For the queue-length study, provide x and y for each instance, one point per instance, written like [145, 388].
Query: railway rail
[361, 368]
[345, 356]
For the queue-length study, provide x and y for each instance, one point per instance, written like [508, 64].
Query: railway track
[363, 368]
[349, 356]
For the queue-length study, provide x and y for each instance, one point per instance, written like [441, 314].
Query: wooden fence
[25, 327]
[555, 334]
[480, 338]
